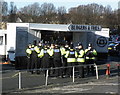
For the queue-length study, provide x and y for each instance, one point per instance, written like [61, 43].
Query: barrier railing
[47, 71]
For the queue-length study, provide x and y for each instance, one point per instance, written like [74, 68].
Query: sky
[67, 3]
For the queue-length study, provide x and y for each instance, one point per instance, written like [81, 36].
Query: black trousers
[57, 63]
[28, 63]
[34, 61]
[51, 65]
[90, 68]
[39, 63]
[70, 70]
[45, 62]
[64, 64]
[81, 69]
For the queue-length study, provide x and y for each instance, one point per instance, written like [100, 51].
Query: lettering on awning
[73, 27]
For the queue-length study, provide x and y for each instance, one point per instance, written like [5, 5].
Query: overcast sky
[67, 3]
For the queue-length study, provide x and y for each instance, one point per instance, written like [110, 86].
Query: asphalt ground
[35, 83]
[92, 85]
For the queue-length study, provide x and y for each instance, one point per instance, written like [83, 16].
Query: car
[114, 48]
[118, 47]
[110, 42]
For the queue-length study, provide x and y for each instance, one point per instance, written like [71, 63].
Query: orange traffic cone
[108, 70]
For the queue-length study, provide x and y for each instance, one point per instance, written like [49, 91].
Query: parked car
[114, 48]
[118, 47]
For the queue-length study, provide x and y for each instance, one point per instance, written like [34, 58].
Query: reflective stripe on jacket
[90, 57]
[71, 55]
[80, 60]
[71, 59]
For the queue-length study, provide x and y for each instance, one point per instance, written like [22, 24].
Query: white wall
[11, 34]
[103, 33]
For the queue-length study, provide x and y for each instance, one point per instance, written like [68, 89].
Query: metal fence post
[73, 73]
[118, 67]
[96, 71]
[46, 77]
[20, 82]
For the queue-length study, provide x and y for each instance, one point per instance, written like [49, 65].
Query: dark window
[1, 40]
[5, 39]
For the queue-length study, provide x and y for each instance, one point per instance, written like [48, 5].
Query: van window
[1, 40]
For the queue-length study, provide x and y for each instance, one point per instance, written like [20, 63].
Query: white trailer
[3, 43]
[19, 35]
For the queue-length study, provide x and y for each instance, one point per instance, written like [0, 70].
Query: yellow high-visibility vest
[28, 51]
[80, 57]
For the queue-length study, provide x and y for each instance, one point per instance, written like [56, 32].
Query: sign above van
[74, 27]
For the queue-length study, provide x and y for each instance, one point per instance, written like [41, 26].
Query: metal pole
[73, 73]
[96, 71]
[118, 66]
[20, 83]
[46, 78]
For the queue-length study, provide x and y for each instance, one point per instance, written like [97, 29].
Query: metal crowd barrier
[46, 79]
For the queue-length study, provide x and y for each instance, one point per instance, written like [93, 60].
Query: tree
[35, 9]
[3, 10]
[61, 14]
[47, 9]
[61, 10]
[32, 9]
[12, 12]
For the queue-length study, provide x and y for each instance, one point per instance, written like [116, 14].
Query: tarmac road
[102, 85]
[33, 83]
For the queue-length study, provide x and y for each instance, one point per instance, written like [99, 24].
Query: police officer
[34, 56]
[51, 57]
[64, 58]
[29, 52]
[80, 59]
[57, 59]
[90, 56]
[64, 48]
[71, 55]
[44, 54]
[40, 47]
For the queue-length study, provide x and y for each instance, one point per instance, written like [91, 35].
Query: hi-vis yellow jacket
[94, 52]
[71, 55]
[80, 56]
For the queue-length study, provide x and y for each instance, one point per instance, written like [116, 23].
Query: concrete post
[96, 71]
[46, 78]
[20, 81]
[73, 73]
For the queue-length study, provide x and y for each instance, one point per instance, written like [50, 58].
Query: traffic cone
[108, 70]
